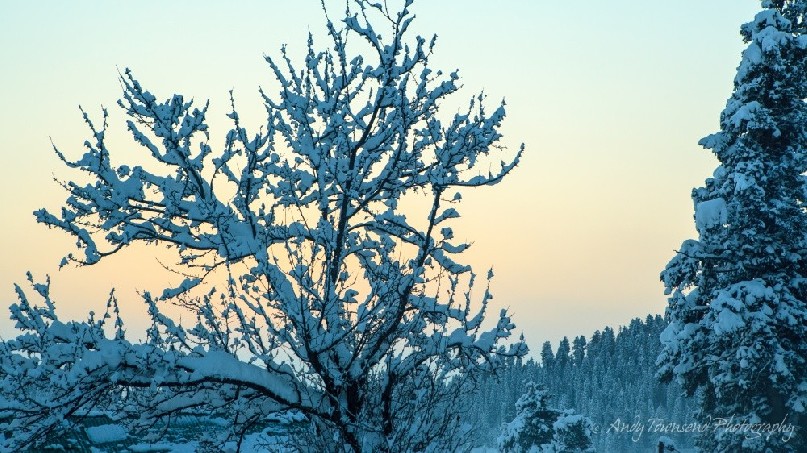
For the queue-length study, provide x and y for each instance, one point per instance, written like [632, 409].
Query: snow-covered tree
[578, 350]
[337, 302]
[611, 382]
[563, 355]
[547, 356]
[538, 427]
[738, 294]
[532, 425]
[666, 445]
[572, 433]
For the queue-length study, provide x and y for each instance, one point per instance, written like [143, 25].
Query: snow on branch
[343, 305]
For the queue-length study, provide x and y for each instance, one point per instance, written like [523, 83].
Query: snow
[103, 434]
[666, 441]
[163, 447]
[345, 138]
[744, 113]
[252, 443]
[728, 321]
[228, 366]
[743, 182]
[186, 285]
[710, 213]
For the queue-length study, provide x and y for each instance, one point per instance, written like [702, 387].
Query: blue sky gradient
[609, 97]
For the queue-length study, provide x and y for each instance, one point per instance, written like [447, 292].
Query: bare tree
[337, 303]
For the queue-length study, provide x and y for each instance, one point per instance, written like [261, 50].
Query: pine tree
[563, 354]
[738, 305]
[578, 350]
[547, 356]
[539, 427]
[608, 341]
[595, 343]
[572, 433]
[616, 381]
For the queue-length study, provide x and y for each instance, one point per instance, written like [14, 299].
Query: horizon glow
[610, 100]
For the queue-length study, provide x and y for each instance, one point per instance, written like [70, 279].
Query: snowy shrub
[666, 445]
[572, 432]
[540, 428]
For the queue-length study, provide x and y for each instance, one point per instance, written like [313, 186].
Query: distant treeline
[609, 377]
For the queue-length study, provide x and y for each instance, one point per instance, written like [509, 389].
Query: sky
[610, 99]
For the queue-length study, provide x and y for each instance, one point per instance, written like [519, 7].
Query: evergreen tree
[595, 344]
[533, 423]
[572, 433]
[564, 351]
[547, 357]
[738, 294]
[608, 341]
[539, 427]
[578, 350]
[619, 384]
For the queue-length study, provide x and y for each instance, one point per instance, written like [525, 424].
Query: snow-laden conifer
[738, 294]
[540, 428]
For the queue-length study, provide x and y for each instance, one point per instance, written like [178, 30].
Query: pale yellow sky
[609, 97]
